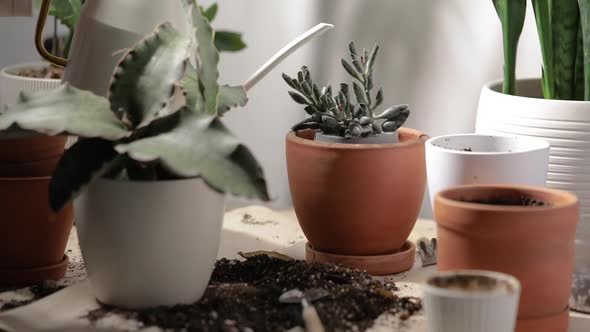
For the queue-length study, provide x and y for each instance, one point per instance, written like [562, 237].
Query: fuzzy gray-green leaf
[66, 110]
[230, 97]
[203, 146]
[207, 54]
[144, 80]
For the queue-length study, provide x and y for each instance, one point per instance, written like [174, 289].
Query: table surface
[246, 229]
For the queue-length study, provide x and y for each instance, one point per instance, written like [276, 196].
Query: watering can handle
[61, 62]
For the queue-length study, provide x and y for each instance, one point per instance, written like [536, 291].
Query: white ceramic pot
[565, 125]
[455, 160]
[468, 301]
[384, 138]
[148, 244]
[12, 84]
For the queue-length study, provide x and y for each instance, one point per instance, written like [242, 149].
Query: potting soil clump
[244, 296]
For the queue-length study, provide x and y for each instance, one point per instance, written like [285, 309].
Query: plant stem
[585, 20]
[511, 14]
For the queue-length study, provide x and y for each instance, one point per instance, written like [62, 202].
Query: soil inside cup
[508, 201]
[471, 283]
[48, 72]
[244, 296]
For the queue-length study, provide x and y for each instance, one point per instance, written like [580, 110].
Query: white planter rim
[532, 144]
[8, 72]
[455, 293]
[495, 88]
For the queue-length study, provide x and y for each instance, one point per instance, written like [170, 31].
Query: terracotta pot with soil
[527, 232]
[33, 240]
[358, 203]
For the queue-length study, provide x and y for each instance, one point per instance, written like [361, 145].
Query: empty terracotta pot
[533, 243]
[357, 199]
[30, 157]
[32, 240]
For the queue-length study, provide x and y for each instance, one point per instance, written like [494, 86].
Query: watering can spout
[44, 11]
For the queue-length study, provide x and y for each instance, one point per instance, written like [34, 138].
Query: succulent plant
[138, 133]
[340, 113]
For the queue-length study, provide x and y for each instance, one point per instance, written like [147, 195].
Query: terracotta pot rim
[536, 144]
[25, 179]
[293, 138]
[566, 199]
[548, 316]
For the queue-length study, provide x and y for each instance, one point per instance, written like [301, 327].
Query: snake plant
[139, 132]
[342, 114]
[563, 27]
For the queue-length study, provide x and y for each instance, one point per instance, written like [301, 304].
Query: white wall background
[436, 55]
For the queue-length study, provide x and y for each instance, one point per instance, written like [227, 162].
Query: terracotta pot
[357, 199]
[30, 157]
[32, 240]
[534, 244]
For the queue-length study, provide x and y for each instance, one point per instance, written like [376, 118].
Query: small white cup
[469, 301]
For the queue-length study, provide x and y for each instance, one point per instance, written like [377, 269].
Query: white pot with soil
[566, 126]
[33, 77]
[464, 159]
[148, 244]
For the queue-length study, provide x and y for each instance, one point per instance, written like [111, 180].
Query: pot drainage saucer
[379, 265]
[28, 276]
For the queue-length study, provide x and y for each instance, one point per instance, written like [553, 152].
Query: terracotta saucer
[35, 275]
[379, 265]
[557, 322]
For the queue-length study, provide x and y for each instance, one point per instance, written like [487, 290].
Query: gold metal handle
[61, 62]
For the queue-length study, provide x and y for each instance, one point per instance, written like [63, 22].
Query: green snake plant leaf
[585, 22]
[565, 17]
[229, 96]
[579, 68]
[66, 110]
[512, 14]
[144, 80]
[85, 161]
[203, 146]
[207, 56]
[542, 9]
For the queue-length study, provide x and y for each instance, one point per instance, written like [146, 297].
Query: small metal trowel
[310, 315]
[427, 251]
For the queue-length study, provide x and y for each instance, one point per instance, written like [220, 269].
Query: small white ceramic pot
[12, 84]
[383, 138]
[148, 244]
[468, 301]
[456, 160]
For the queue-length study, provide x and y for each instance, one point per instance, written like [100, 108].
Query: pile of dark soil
[39, 291]
[509, 201]
[45, 72]
[243, 296]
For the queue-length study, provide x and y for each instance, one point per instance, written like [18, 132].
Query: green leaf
[203, 146]
[511, 14]
[66, 11]
[144, 80]
[229, 41]
[585, 20]
[85, 161]
[565, 17]
[207, 54]
[230, 97]
[542, 9]
[350, 70]
[579, 67]
[66, 110]
[211, 12]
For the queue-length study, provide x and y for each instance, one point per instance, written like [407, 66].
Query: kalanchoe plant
[341, 113]
[137, 133]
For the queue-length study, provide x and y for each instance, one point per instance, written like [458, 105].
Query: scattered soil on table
[468, 150]
[244, 296]
[39, 291]
[508, 201]
[45, 72]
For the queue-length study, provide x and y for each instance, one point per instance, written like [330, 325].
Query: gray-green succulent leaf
[202, 146]
[66, 110]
